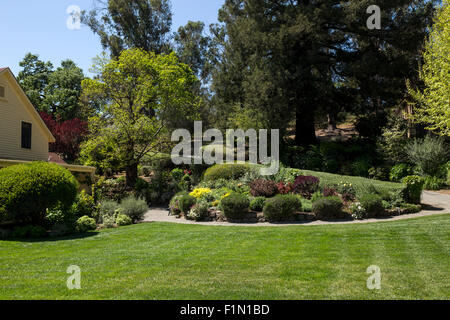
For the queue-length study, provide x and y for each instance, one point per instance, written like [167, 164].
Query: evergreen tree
[125, 24]
[288, 60]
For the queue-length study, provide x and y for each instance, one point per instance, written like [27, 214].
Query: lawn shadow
[54, 238]
[429, 207]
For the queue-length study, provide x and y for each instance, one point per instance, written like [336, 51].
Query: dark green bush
[134, 208]
[414, 187]
[328, 208]
[226, 171]
[257, 204]
[34, 232]
[185, 203]
[27, 190]
[235, 206]
[281, 207]
[85, 224]
[373, 204]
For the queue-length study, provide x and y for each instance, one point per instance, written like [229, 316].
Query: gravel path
[434, 203]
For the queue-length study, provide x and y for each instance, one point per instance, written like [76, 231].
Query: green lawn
[171, 261]
[360, 184]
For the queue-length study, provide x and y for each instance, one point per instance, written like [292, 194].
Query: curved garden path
[434, 203]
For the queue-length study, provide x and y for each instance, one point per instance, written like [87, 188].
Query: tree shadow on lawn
[76, 236]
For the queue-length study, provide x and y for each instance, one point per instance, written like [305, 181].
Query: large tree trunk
[331, 122]
[131, 175]
[305, 131]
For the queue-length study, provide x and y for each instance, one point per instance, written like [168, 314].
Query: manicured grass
[360, 184]
[171, 261]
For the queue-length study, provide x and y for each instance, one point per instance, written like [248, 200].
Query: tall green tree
[192, 47]
[433, 103]
[288, 60]
[124, 24]
[144, 92]
[55, 92]
[34, 78]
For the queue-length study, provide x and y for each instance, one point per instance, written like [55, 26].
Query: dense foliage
[28, 190]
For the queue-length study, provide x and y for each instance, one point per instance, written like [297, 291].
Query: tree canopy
[124, 24]
[433, 103]
[143, 92]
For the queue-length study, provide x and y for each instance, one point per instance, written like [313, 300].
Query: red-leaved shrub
[306, 186]
[285, 188]
[263, 188]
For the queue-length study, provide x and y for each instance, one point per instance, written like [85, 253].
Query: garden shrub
[433, 183]
[108, 208]
[281, 207]
[84, 205]
[360, 167]
[317, 196]
[414, 187]
[285, 188]
[373, 205]
[174, 205]
[226, 171]
[134, 208]
[428, 154]
[177, 174]
[357, 211]
[27, 190]
[123, 220]
[409, 208]
[379, 173]
[306, 185]
[257, 204]
[33, 232]
[199, 211]
[85, 224]
[328, 208]
[235, 206]
[399, 171]
[200, 193]
[186, 202]
[329, 192]
[263, 188]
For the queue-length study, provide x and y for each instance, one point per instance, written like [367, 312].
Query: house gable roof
[27, 103]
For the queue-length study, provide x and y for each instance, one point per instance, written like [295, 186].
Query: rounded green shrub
[257, 204]
[226, 171]
[123, 220]
[413, 190]
[134, 208]
[85, 224]
[328, 208]
[235, 206]
[27, 190]
[186, 202]
[281, 207]
[373, 205]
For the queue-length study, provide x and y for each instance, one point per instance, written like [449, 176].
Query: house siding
[12, 113]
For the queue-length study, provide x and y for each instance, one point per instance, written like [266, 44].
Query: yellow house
[24, 137]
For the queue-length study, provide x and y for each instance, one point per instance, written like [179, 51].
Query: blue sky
[40, 27]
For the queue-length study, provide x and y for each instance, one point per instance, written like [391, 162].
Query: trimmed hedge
[27, 190]
[281, 207]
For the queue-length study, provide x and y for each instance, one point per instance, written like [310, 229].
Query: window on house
[2, 91]
[26, 135]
